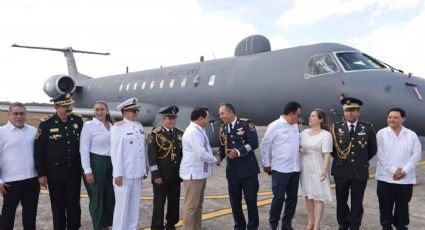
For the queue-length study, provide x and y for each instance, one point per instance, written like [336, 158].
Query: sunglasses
[134, 110]
[18, 113]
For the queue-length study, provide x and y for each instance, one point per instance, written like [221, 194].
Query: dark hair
[198, 112]
[229, 107]
[16, 104]
[401, 111]
[108, 116]
[291, 107]
[322, 115]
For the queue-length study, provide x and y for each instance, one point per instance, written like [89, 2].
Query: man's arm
[153, 156]
[251, 139]
[372, 145]
[415, 156]
[116, 151]
[40, 150]
[266, 148]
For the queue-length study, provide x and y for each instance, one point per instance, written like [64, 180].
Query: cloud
[307, 12]
[399, 45]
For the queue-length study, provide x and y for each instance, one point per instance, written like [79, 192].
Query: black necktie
[352, 130]
[170, 132]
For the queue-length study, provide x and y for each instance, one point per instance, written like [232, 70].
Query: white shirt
[282, 141]
[96, 139]
[349, 126]
[198, 158]
[128, 152]
[17, 153]
[403, 151]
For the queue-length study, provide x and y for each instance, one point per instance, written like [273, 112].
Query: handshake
[232, 154]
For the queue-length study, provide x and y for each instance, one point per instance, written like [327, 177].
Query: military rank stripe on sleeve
[154, 168]
[248, 147]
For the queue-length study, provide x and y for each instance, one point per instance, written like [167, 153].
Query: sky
[148, 34]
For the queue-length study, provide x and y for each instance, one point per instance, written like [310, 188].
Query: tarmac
[217, 213]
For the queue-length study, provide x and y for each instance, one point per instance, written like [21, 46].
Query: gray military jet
[257, 81]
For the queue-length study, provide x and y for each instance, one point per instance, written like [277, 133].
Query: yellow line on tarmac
[228, 211]
[221, 196]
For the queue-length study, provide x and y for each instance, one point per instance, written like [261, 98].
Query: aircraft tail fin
[69, 55]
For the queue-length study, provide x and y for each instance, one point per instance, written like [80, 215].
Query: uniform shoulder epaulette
[77, 114]
[119, 123]
[339, 122]
[365, 123]
[45, 118]
[138, 123]
[244, 119]
[179, 130]
[156, 130]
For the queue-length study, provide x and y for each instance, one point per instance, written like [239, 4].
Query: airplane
[258, 81]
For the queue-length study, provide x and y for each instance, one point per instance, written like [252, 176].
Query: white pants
[127, 204]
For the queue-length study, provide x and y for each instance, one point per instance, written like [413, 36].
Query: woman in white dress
[316, 146]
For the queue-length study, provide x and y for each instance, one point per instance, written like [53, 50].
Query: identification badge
[54, 130]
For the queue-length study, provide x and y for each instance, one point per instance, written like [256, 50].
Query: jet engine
[59, 84]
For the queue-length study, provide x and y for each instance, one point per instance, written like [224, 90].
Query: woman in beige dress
[316, 146]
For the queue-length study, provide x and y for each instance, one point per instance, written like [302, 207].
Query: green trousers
[101, 193]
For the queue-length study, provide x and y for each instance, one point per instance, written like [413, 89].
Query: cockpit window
[358, 61]
[320, 64]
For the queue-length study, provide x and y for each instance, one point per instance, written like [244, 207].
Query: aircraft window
[196, 80]
[320, 64]
[183, 83]
[122, 85]
[358, 61]
[135, 86]
[152, 84]
[171, 83]
[143, 85]
[211, 80]
[127, 87]
[161, 84]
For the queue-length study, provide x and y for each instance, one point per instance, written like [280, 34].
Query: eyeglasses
[18, 113]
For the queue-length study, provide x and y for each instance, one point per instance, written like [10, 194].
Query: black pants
[394, 204]
[345, 216]
[249, 186]
[65, 201]
[26, 192]
[171, 193]
[284, 184]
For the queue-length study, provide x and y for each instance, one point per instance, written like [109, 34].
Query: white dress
[312, 165]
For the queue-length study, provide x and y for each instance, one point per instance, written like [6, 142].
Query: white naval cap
[131, 103]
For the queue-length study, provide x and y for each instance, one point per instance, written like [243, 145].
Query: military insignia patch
[75, 125]
[37, 135]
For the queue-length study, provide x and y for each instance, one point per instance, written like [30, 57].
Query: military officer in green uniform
[354, 145]
[58, 162]
[165, 154]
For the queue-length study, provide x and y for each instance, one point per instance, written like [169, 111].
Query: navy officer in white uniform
[129, 162]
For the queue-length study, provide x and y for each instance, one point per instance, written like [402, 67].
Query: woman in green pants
[95, 145]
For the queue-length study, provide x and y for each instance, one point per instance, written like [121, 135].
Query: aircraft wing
[85, 112]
